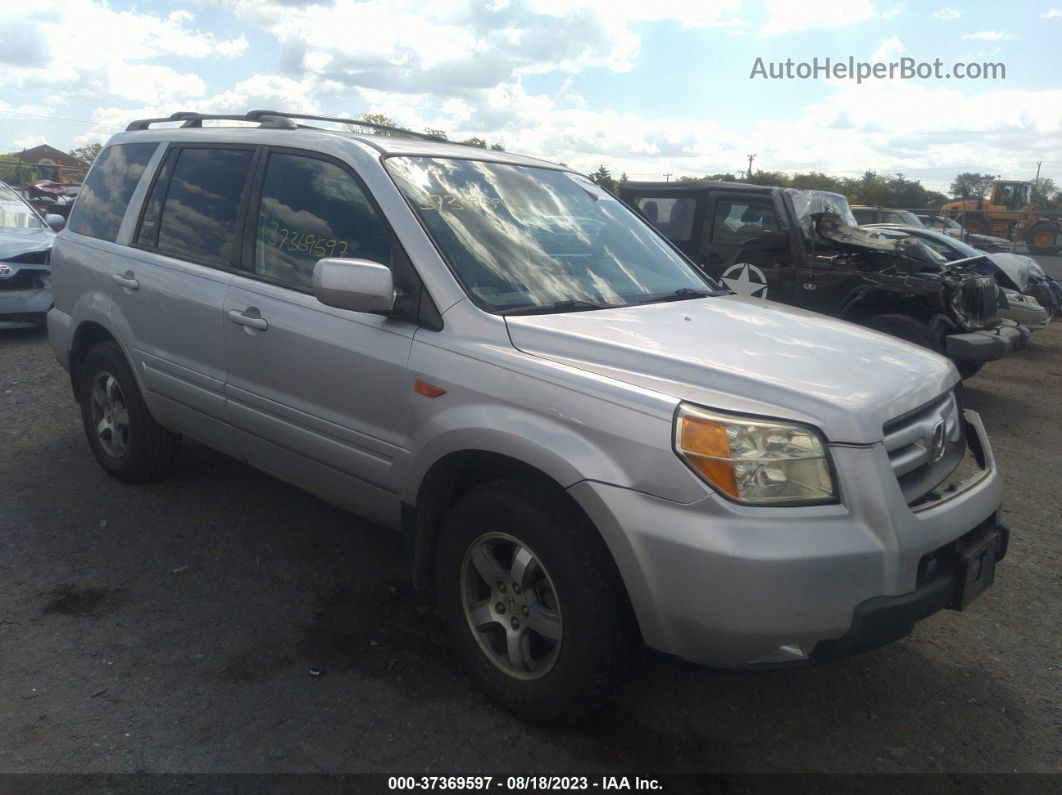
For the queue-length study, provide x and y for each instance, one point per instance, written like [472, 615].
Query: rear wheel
[124, 437]
[533, 603]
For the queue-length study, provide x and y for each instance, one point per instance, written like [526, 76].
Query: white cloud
[888, 48]
[29, 141]
[152, 83]
[989, 35]
[947, 13]
[785, 16]
[1052, 13]
[87, 47]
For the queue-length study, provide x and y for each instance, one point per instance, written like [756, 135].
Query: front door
[318, 396]
[744, 247]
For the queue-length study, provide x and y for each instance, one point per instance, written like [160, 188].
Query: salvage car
[865, 214]
[952, 228]
[25, 273]
[1016, 273]
[587, 444]
[804, 248]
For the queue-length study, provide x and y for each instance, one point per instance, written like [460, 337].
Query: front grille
[980, 301]
[24, 279]
[912, 447]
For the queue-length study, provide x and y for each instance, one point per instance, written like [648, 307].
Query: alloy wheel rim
[511, 606]
[110, 416]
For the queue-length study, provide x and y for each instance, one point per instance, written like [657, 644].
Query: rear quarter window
[104, 198]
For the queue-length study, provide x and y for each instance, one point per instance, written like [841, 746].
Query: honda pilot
[587, 443]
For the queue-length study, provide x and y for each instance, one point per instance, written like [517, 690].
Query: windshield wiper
[682, 294]
[568, 305]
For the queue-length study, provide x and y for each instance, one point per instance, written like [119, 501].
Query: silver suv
[587, 444]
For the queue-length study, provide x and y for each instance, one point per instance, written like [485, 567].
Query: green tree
[381, 119]
[474, 141]
[971, 185]
[1044, 192]
[777, 179]
[87, 154]
[436, 132]
[604, 178]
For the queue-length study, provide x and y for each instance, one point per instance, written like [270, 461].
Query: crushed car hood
[741, 354]
[25, 245]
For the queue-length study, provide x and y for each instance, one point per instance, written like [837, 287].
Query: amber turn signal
[428, 390]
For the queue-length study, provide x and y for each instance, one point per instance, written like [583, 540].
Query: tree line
[877, 190]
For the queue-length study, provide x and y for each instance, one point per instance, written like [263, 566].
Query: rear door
[743, 245]
[317, 396]
[171, 285]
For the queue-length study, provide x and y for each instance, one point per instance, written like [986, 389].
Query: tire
[977, 225]
[969, 369]
[1042, 238]
[131, 446]
[906, 328]
[571, 586]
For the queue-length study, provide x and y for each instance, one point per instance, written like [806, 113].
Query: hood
[25, 245]
[1016, 267]
[740, 354]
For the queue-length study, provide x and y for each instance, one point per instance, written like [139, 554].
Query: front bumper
[986, 346]
[950, 577]
[737, 586]
[18, 307]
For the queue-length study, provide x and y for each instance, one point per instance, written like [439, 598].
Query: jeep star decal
[746, 279]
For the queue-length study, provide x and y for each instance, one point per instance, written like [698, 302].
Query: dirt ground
[173, 627]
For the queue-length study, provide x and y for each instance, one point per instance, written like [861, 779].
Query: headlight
[755, 461]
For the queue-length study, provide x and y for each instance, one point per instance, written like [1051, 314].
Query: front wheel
[1042, 238]
[533, 603]
[906, 328]
[969, 369]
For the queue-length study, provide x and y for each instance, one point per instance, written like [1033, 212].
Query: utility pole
[748, 174]
[1038, 164]
[667, 177]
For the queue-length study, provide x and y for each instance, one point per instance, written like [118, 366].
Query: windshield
[910, 218]
[942, 243]
[807, 203]
[521, 237]
[15, 213]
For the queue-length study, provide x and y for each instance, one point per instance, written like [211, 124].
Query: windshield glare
[15, 213]
[521, 236]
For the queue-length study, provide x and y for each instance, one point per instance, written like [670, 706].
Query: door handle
[249, 317]
[126, 280]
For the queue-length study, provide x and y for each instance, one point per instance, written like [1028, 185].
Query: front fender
[559, 447]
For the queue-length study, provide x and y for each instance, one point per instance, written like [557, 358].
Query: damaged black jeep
[806, 249]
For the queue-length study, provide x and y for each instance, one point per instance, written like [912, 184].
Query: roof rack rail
[270, 119]
[256, 114]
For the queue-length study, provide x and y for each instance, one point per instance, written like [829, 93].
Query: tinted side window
[865, 216]
[312, 209]
[892, 218]
[673, 217]
[736, 220]
[199, 214]
[104, 197]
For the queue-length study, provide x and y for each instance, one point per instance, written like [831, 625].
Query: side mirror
[55, 221]
[359, 285]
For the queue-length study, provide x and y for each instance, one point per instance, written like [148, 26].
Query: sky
[645, 87]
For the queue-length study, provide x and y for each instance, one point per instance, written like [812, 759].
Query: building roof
[45, 152]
